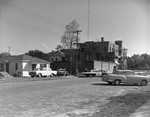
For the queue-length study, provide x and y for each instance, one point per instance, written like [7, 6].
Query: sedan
[125, 76]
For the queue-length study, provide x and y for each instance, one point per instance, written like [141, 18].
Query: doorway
[7, 67]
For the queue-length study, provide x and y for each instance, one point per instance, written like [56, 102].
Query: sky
[39, 24]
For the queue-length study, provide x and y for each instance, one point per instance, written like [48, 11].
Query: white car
[92, 73]
[39, 72]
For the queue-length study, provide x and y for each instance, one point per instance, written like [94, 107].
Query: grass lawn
[124, 105]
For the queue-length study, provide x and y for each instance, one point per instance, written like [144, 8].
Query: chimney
[102, 39]
[119, 43]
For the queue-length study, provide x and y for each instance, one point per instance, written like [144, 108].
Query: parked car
[91, 73]
[62, 72]
[105, 72]
[141, 73]
[39, 72]
[125, 76]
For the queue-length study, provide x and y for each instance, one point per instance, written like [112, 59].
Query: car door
[44, 72]
[131, 77]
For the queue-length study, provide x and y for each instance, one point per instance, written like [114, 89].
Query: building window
[16, 66]
[88, 57]
[82, 49]
[56, 59]
[52, 59]
[110, 49]
[2, 66]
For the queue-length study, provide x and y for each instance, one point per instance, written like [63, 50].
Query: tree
[3, 54]
[58, 48]
[139, 62]
[38, 54]
[68, 39]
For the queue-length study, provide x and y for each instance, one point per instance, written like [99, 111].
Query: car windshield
[130, 73]
[38, 69]
[124, 72]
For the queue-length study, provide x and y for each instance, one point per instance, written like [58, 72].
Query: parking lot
[58, 98]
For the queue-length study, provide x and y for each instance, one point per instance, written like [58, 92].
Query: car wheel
[39, 75]
[32, 76]
[52, 75]
[117, 82]
[143, 83]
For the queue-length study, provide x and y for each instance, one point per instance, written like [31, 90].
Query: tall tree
[68, 39]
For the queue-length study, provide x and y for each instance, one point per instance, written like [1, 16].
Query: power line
[28, 25]
[13, 22]
[46, 19]
[84, 33]
[36, 15]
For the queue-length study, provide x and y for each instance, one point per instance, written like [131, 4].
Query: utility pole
[77, 41]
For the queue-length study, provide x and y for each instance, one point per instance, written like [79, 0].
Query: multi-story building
[89, 51]
[104, 51]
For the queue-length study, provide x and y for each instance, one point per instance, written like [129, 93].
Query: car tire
[143, 83]
[32, 76]
[52, 75]
[117, 82]
[39, 75]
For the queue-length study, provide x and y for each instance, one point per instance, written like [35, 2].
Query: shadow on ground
[106, 84]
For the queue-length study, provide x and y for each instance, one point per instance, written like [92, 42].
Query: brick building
[104, 51]
[89, 53]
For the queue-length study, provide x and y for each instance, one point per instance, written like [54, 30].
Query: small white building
[20, 65]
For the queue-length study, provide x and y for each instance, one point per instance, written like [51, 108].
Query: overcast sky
[39, 24]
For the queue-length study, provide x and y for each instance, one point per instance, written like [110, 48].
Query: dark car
[62, 72]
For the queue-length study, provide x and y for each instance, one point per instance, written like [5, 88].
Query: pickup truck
[91, 73]
[39, 72]
[125, 76]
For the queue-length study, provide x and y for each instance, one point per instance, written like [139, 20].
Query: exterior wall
[63, 65]
[13, 70]
[124, 52]
[26, 66]
[20, 65]
[12, 67]
[99, 65]
[114, 48]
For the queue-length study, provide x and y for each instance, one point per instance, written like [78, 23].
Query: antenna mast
[88, 19]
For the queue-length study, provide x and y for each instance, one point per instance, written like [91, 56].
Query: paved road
[56, 98]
